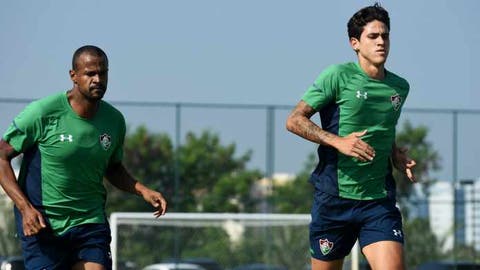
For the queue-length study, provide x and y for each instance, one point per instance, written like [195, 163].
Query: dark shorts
[337, 223]
[88, 242]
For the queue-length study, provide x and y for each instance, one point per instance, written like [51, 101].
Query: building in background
[264, 188]
[468, 211]
[441, 213]
[454, 213]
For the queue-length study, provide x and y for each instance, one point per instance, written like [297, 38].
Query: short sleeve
[117, 155]
[324, 89]
[26, 129]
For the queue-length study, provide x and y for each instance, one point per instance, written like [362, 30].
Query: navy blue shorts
[337, 223]
[88, 242]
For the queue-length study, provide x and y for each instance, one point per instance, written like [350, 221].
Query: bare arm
[121, 179]
[299, 122]
[31, 218]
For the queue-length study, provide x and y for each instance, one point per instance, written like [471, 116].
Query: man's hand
[352, 145]
[156, 200]
[403, 163]
[121, 178]
[32, 221]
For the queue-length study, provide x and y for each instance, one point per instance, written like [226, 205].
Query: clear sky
[247, 52]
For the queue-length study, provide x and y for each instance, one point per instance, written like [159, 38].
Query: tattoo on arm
[299, 123]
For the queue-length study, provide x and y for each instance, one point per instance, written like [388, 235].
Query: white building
[441, 212]
[455, 223]
[467, 192]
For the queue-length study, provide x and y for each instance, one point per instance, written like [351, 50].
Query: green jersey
[65, 159]
[348, 100]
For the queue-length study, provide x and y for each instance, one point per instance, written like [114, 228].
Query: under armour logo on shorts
[397, 233]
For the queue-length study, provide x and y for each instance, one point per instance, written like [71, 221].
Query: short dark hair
[89, 49]
[364, 16]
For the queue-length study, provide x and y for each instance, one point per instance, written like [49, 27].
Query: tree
[149, 157]
[421, 244]
[295, 196]
[420, 150]
[212, 178]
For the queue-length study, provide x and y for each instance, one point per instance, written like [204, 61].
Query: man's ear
[355, 43]
[73, 76]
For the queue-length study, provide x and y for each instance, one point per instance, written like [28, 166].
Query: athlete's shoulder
[47, 105]
[397, 80]
[340, 69]
[338, 73]
[52, 99]
[111, 110]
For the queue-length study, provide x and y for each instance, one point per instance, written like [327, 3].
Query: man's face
[374, 43]
[90, 76]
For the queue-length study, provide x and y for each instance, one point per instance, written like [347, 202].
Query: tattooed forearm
[304, 127]
[299, 123]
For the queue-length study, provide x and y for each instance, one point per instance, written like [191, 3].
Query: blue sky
[247, 52]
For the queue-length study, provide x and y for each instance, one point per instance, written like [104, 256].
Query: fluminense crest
[396, 101]
[105, 141]
[325, 246]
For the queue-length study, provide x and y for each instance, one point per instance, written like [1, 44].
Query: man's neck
[83, 107]
[376, 72]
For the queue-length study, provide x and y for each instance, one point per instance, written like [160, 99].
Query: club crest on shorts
[325, 246]
[105, 141]
[396, 101]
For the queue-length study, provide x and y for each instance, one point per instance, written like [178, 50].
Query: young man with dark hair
[359, 106]
[70, 141]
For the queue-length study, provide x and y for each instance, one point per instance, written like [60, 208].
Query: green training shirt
[348, 100]
[65, 159]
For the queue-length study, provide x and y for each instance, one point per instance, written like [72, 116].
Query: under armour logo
[397, 233]
[66, 138]
[360, 94]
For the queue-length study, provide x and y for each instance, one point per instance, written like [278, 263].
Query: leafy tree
[212, 178]
[149, 157]
[232, 194]
[420, 150]
[295, 196]
[421, 244]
